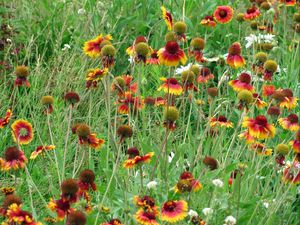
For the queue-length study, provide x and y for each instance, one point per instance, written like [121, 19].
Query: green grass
[44, 27]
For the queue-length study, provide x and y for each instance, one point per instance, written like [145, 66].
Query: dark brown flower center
[170, 206]
[11, 153]
[172, 47]
[293, 118]
[223, 13]
[261, 120]
[222, 119]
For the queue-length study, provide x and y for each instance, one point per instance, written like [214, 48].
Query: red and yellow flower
[13, 159]
[145, 202]
[261, 149]
[234, 58]
[123, 84]
[246, 136]
[41, 150]
[136, 159]
[296, 143]
[174, 211]
[205, 75]
[258, 101]
[223, 14]
[130, 102]
[171, 86]
[291, 173]
[138, 39]
[187, 183]
[268, 90]
[147, 217]
[61, 207]
[94, 76]
[220, 121]
[171, 54]
[259, 127]
[167, 16]
[290, 123]
[153, 60]
[289, 103]
[208, 21]
[22, 132]
[113, 222]
[4, 121]
[242, 83]
[252, 13]
[289, 2]
[93, 47]
[16, 215]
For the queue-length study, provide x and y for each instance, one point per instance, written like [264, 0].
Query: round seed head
[22, 71]
[245, 96]
[171, 114]
[108, 50]
[180, 27]
[270, 65]
[83, 130]
[47, 100]
[198, 43]
[282, 149]
[142, 49]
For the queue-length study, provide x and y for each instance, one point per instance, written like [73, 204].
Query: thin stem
[66, 141]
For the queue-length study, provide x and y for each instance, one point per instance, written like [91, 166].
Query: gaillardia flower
[252, 13]
[61, 207]
[296, 143]
[4, 121]
[94, 76]
[108, 53]
[180, 28]
[85, 137]
[187, 183]
[113, 222]
[13, 159]
[188, 79]
[208, 21]
[220, 121]
[123, 84]
[22, 132]
[258, 101]
[146, 216]
[136, 159]
[41, 150]
[72, 98]
[261, 149]
[223, 14]
[93, 47]
[196, 48]
[289, 2]
[234, 58]
[69, 189]
[242, 83]
[288, 101]
[167, 16]
[171, 114]
[204, 75]
[139, 39]
[290, 123]
[171, 86]
[22, 72]
[76, 218]
[8, 201]
[16, 215]
[171, 54]
[145, 202]
[210, 162]
[270, 67]
[86, 181]
[47, 101]
[259, 127]
[174, 211]
[130, 102]
[124, 131]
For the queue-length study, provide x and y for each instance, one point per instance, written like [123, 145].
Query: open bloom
[4, 121]
[290, 123]
[94, 76]
[41, 150]
[296, 143]
[261, 149]
[242, 83]
[171, 86]
[135, 158]
[171, 54]
[268, 90]
[252, 13]
[61, 207]
[204, 75]
[145, 202]
[223, 14]
[22, 132]
[259, 127]
[220, 121]
[208, 21]
[13, 159]
[85, 137]
[130, 102]
[113, 222]
[289, 102]
[234, 58]
[174, 211]
[18, 216]
[93, 47]
[187, 183]
[147, 217]
[258, 101]
[246, 136]
[167, 16]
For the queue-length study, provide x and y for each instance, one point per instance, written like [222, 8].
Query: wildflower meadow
[124, 112]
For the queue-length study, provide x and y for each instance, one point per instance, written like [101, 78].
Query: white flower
[230, 220]
[131, 60]
[192, 213]
[261, 38]
[183, 68]
[207, 211]
[66, 47]
[81, 11]
[152, 184]
[218, 183]
[171, 156]
[266, 205]
[8, 40]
